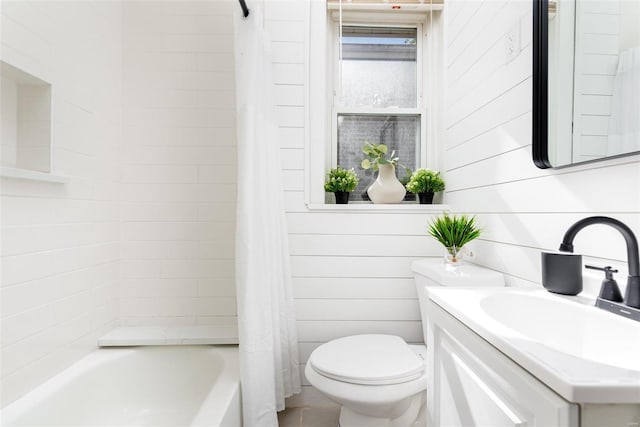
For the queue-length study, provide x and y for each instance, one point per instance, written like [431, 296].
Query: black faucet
[632, 294]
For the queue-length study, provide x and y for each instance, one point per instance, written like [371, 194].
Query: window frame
[337, 109]
[319, 85]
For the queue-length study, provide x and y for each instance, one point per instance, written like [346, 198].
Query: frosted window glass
[379, 67]
[399, 133]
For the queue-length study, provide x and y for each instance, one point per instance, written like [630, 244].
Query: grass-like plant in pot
[425, 183]
[341, 182]
[453, 232]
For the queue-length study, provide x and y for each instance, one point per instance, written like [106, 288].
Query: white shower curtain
[266, 319]
[624, 122]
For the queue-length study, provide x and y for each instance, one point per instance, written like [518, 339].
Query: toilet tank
[435, 272]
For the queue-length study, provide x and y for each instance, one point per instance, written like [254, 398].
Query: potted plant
[425, 183]
[386, 188]
[453, 232]
[341, 182]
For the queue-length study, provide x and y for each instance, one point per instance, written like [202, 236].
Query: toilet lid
[367, 359]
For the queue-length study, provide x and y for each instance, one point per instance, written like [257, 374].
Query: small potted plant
[425, 183]
[453, 232]
[386, 188]
[341, 182]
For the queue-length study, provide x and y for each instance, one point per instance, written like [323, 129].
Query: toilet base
[408, 418]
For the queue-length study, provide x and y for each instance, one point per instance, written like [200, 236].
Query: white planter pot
[386, 188]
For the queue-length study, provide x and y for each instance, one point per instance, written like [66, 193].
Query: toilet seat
[368, 360]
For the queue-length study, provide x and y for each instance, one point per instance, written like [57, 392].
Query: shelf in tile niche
[25, 116]
[31, 175]
[169, 335]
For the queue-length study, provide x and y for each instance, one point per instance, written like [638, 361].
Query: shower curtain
[624, 122]
[266, 319]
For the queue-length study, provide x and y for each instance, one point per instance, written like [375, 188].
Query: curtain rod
[245, 9]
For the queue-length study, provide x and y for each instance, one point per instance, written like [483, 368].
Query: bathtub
[138, 386]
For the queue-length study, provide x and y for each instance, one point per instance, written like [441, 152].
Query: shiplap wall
[60, 242]
[488, 165]
[351, 270]
[179, 163]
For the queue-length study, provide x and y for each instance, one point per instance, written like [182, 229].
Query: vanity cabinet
[471, 383]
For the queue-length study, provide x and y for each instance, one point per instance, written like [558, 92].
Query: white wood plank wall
[487, 154]
[351, 270]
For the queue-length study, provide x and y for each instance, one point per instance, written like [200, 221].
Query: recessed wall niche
[26, 120]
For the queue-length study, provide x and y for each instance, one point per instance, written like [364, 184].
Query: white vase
[386, 188]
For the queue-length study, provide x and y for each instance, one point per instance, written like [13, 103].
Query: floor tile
[320, 417]
[290, 417]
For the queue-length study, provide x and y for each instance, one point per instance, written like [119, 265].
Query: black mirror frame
[540, 96]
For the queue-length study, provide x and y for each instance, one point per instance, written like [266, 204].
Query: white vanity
[513, 357]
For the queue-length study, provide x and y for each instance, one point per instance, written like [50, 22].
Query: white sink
[576, 329]
[584, 353]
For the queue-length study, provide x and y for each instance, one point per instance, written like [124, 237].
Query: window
[377, 96]
[380, 83]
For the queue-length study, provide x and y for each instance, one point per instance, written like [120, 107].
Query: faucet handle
[609, 290]
[608, 270]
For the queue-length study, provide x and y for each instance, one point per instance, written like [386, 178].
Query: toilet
[380, 380]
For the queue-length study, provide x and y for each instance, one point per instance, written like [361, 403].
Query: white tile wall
[60, 242]
[179, 164]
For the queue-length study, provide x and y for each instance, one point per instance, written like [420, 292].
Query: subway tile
[180, 117]
[182, 136]
[71, 307]
[27, 323]
[215, 61]
[189, 155]
[177, 231]
[159, 174]
[218, 174]
[179, 193]
[179, 42]
[162, 211]
[197, 268]
[216, 287]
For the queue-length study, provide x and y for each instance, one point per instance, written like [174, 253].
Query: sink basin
[578, 330]
[583, 353]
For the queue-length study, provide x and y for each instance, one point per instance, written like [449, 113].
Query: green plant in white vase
[377, 155]
[386, 188]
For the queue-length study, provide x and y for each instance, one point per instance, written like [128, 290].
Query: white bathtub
[138, 386]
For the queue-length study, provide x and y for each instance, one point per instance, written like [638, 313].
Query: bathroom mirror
[586, 80]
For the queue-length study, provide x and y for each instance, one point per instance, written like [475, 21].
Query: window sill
[32, 175]
[382, 208]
